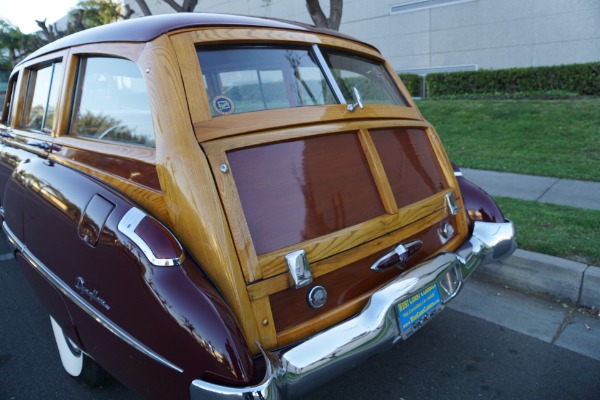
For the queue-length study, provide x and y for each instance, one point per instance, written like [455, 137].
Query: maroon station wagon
[223, 207]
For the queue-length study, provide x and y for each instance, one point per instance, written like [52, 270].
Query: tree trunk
[186, 6]
[47, 32]
[144, 7]
[319, 18]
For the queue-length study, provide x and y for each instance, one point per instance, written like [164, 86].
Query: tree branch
[144, 7]
[318, 16]
[47, 32]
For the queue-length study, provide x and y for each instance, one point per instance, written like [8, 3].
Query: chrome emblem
[92, 294]
[398, 257]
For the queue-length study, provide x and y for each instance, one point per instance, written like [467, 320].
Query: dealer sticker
[415, 311]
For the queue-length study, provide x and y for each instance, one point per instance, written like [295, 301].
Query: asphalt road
[456, 356]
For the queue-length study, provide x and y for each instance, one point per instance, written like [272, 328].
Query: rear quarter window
[111, 102]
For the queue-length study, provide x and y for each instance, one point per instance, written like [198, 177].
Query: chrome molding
[127, 226]
[328, 75]
[53, 279]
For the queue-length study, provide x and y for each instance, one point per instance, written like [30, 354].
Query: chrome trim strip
[2, 212]
[127, 226]
[458, 173]
[328, 75]
[83, 304]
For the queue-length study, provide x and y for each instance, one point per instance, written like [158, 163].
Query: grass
[558, 138]
[560, 231]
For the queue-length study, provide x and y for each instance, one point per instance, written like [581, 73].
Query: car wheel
[77, 364]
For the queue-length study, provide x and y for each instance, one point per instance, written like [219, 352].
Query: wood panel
[352, 280]
[231, 125]
[381, 180]
[270, 35]
[320, 268]
[274, 263]
[191, 197]
[299, 190]
[411, 166]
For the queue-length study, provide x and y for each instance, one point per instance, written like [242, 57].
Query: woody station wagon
[225, 207]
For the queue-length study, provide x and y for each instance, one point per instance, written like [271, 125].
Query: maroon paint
[475, 198]
[175, 311]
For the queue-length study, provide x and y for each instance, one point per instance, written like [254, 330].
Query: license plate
[415, 311]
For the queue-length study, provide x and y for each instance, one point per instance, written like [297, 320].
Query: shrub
[412, 83]
[583, 79]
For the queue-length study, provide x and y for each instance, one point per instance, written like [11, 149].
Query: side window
[111, 102]
[8, 102]
[41, 98]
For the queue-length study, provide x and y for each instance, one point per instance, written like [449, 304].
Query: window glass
[41, 98]
[111, 102]
[244, 79]
[369, 76]
[10, 95]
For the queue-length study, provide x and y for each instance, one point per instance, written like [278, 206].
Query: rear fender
[140, 306]
[479, 204]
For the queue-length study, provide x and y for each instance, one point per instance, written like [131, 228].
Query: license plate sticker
[415, 311]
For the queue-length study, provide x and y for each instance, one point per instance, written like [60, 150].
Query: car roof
[148, 28]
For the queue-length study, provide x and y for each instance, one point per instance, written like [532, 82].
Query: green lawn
[560, 231]
[558, 138]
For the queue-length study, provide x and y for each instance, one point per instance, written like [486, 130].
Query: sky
[23, 13]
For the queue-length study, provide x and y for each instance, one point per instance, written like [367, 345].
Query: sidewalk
[566, 192]
[528, 271]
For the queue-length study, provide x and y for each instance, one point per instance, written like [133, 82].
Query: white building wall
[466, 34]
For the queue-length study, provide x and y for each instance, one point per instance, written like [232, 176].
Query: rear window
[252, 79]
[242, 79]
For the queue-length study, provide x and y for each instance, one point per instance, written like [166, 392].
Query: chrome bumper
[334, 351]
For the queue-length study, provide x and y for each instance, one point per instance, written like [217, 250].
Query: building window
[415, 5]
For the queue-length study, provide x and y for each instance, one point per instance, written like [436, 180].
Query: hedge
[412, 83]
[582, 79]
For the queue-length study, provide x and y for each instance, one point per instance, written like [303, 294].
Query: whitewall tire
[77, 364]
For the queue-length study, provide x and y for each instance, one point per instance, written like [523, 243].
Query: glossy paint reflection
[299, 190]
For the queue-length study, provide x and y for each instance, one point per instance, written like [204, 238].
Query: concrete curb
[557, 277]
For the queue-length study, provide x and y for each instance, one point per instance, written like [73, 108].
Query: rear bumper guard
[334, 351]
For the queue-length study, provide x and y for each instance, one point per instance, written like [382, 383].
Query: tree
[86, 14]
[186, 6]
[313, 6]
[14, 45]
[319, 18]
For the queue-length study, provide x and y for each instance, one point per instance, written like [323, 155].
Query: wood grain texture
[383, 184]
[265, 121]
[190, 193]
